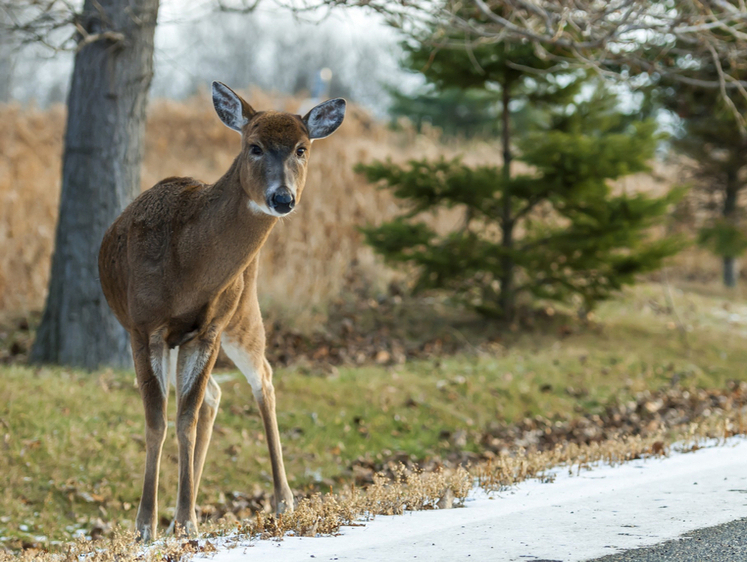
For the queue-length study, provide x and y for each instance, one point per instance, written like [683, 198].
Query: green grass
[72, 449]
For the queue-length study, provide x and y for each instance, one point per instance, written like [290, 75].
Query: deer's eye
[300, 151]
[256, 150]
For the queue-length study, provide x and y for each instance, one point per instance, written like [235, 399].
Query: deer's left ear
[325, 118]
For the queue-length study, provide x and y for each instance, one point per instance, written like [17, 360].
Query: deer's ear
[231, 107]
[325, 118]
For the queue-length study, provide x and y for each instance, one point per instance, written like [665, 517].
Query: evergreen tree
[590, 240]
[709, 135]
[457, 112]
[512, 74]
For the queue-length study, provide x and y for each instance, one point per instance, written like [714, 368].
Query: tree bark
[729, 213]
[730, 271]
[507, 224]
[100, 176]
[6, 61]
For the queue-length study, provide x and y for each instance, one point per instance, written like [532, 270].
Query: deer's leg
[205, 421]
[266, 402]
[248, 355]
[196, 359]
[151, 365]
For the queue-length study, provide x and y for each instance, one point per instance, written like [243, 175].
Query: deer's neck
[239, 230]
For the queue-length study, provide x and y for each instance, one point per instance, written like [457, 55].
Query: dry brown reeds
[311, 257]
[30, 148]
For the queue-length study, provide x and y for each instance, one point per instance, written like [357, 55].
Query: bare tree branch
[48, 22]
[722, 83]
[88, 38]
[620, 36]
[637, 40]
[238, 6]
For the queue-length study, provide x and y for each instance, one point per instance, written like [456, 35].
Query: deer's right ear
[230, 107]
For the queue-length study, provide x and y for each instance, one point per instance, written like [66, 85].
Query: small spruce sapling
[572, 237]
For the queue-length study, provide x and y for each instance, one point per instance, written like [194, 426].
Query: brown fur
[173, 261]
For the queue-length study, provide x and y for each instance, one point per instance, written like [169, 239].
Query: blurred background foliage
[713, 152]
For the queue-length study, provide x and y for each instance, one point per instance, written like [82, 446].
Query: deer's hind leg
[194, 365]
[151, 365]
[205, 418]
[205, 422]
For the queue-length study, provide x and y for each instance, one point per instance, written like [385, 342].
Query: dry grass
[314, 516]
[324, 514]
[509, 469]
[311, 257]
[30, 147]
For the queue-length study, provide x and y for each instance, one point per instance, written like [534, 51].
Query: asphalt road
[723, 543]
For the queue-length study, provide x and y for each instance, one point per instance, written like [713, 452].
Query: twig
[88, 38]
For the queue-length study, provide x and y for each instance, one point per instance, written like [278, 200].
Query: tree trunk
[6, 71]
[6, 61]
[730, 271]
[507, 224]
[729, 212]
[100, 176]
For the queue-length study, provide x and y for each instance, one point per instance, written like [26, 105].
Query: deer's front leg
[247, 352]
[195, 363]
[151, 365]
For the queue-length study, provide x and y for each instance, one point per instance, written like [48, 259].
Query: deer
[178, 268]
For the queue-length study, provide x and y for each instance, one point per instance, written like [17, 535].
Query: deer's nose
[282, 201]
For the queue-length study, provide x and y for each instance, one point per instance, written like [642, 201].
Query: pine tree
[588, 244]
[456, 112]
[512, 74]
[464, 90]
[709, 135]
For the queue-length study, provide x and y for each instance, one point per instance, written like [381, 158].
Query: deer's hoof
[182, 529]
[146, 533]
[284, 502]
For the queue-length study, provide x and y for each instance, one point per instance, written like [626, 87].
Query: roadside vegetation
[649, 367]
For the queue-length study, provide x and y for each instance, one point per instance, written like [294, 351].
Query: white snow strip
[575, 518]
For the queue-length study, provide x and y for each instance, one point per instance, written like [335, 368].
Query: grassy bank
[73, 445]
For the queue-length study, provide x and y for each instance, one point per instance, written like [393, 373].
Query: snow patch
[577, 517]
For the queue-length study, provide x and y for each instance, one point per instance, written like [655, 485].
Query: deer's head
[275, 147]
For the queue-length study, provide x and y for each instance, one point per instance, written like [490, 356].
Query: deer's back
[137, 251]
